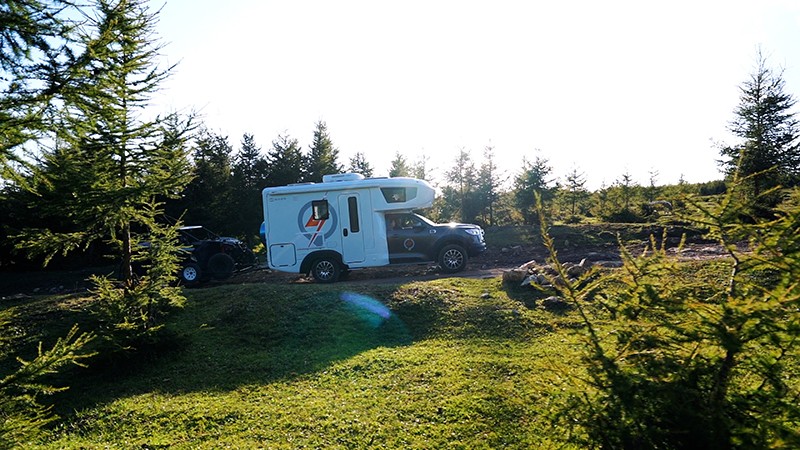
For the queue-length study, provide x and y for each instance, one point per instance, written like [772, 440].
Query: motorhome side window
[352, 207]
[398, 195]
[320, 209]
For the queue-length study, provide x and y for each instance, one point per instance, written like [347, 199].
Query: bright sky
[602, 86]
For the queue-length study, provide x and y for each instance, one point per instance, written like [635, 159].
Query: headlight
[473, 231]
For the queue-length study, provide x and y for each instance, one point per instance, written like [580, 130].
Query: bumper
[476, 248]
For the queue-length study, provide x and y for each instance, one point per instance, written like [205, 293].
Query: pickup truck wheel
[190, 274]
[452, 258]
[325, 270]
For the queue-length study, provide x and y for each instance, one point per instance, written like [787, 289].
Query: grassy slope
[458, 364]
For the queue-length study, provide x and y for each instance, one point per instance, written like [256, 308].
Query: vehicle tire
[191, 274]
[326, 270]
[221, 266]
[452, 258]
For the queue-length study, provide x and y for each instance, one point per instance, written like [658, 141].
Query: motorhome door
[352, 224]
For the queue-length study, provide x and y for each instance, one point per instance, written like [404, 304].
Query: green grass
[458, 363]
[450, 363]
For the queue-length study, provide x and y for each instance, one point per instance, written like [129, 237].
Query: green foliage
[109, 166]
[285, 162]
[399, 166]
[769, 154]
[533, 180]
[208, 198]
[131, 313]
[22, 414]
[460, 197]
[322, 158]
[250, 172]
[359, 164]
[488, 188]
[35, 57]
[573, 196]
[715, 187]
[690, 366]
[110, 169]
[420, 169]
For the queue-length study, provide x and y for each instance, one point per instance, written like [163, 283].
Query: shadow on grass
[234, 336]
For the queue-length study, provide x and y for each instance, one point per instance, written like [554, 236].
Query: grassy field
[452, 363]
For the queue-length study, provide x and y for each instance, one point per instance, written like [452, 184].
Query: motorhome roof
[344, 184]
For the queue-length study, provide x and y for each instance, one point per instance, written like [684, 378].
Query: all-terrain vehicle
[209, 256]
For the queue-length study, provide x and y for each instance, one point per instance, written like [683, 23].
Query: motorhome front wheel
[325, 270]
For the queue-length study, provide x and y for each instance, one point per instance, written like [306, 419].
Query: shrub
[133, 312]
[681, 367]
[22, 415]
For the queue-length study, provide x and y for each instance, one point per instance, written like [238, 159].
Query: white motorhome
[351, 222]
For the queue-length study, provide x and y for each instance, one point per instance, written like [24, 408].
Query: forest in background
[224, 192]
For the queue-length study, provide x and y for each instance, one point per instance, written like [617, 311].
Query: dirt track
[489, 265]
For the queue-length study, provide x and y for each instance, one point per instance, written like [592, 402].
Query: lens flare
[368, 308]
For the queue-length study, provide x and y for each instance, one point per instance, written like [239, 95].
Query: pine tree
[575, 191]
[625, 184]
[20, 390]
[462, 194]
[769, 154]
[419, 169]
[35, 57]
[488, 186]
[399, 166]
[121, 166]
[533, 179]
[652, 191]
[285, 162]
[250, 172]
[249, 166]
[208, 199]
[359, 164]
[322, 157]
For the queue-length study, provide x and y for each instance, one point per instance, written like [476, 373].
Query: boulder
[514, 275]
[555, 304]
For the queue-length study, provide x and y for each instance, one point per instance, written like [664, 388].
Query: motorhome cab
[351, 222]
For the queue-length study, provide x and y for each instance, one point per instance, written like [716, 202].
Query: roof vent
[342, 177]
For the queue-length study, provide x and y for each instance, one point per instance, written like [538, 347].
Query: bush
[22, 413]
[682, 367]
[134, 312]
[624, 216]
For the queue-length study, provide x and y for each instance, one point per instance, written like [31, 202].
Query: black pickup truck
[414, 239]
